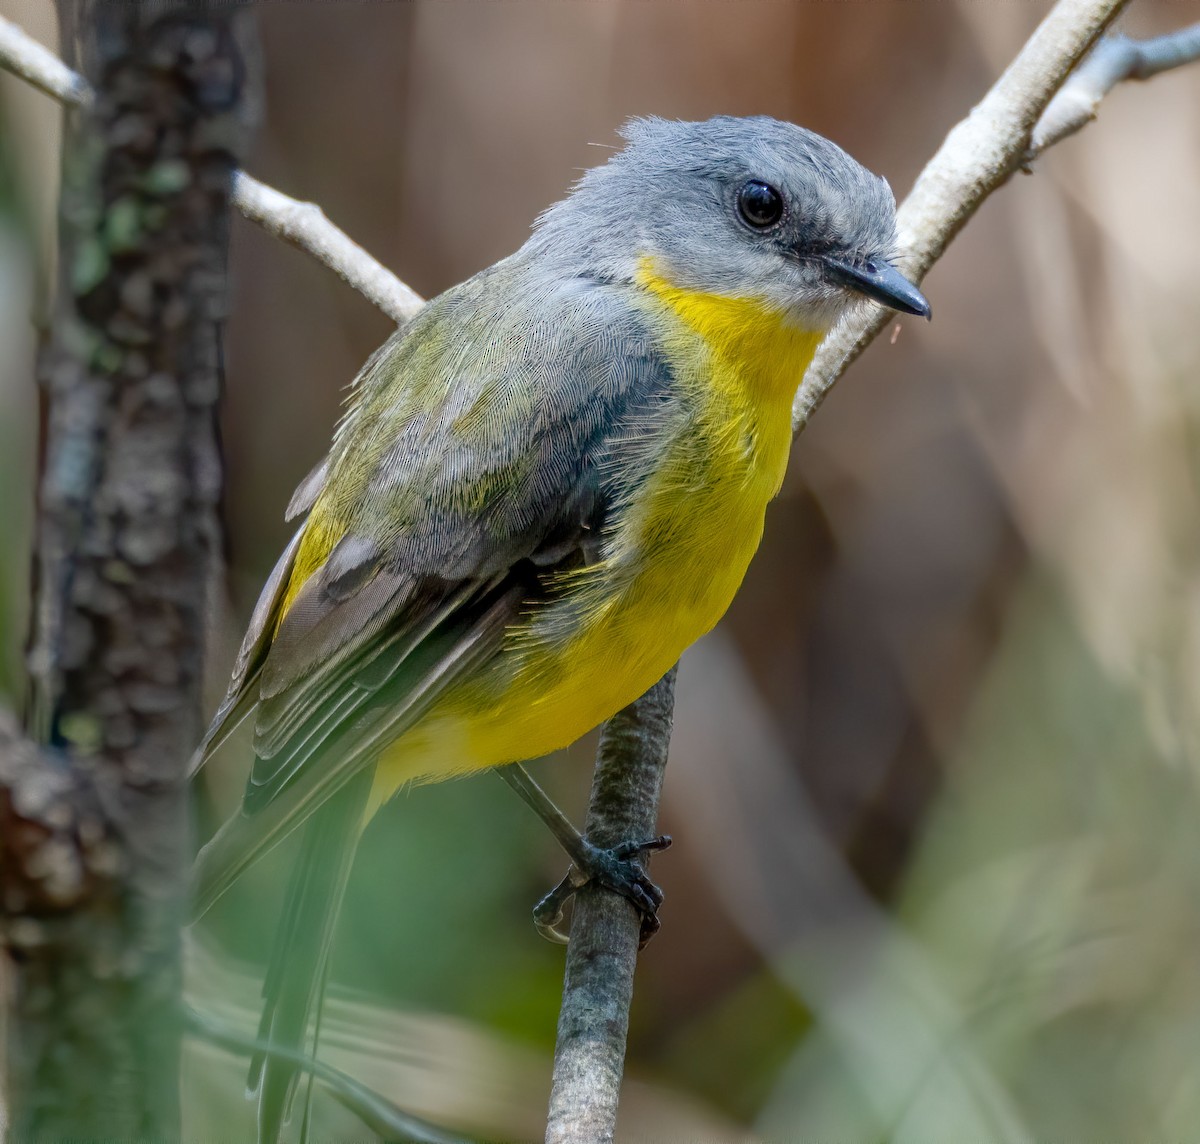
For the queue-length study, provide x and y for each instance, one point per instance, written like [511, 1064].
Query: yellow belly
[667, 575]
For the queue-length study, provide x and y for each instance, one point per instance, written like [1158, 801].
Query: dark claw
[633, 849]
[548, 913]
[615, 869]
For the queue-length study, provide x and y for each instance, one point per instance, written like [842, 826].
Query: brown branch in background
[62, 867]
[58, 851]
[605, 929]
[302, 225]
[128, 537]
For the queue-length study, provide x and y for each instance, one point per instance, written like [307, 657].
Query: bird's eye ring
[759, 204]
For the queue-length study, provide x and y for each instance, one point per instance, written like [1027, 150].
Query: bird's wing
[468, 471]
[241, 696]
[468, 468]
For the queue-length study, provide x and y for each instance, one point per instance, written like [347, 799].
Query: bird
[546, 486]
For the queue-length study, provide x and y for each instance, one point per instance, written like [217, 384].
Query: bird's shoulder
[483, 420]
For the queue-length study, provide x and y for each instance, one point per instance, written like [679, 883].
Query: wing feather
[308, 490]
[290, 732]
[468, 471]
[241, 697]
[468, 638]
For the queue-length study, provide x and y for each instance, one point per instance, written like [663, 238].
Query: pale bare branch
[306, 226]
[1113, 59]
[978, 155]
[22, 55]
[589, 1055]
[303, 225]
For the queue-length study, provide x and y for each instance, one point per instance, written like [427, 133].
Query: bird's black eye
[760, 204]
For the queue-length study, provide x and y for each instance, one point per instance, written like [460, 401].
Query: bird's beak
[880, 281]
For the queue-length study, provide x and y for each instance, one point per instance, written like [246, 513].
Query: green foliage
[438, 915]
[1040, 977]
[734, 1049]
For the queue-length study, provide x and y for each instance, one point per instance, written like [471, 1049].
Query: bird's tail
[295, 980]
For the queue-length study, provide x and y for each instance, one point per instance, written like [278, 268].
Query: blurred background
[934, 780]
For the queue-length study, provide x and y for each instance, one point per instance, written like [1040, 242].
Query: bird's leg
[617, 869]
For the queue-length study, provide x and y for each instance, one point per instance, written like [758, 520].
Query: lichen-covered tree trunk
[94, 826]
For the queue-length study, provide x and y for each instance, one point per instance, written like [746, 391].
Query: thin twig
[978, 155]
[303, 225]
[22, 55]
[1114, 58]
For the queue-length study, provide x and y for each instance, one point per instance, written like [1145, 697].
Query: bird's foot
[618, 870]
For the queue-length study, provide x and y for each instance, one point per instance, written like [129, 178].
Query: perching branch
[605, 929]
[978, 155]
[303, 225]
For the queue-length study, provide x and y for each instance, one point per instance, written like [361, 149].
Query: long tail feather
[295, 978]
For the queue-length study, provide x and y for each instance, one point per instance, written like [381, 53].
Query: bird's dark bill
[881, 282]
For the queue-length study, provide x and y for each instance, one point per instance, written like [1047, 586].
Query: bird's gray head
[744, 208]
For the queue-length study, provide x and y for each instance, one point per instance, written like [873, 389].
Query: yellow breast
[673, 566]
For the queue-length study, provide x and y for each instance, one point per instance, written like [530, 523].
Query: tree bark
[128, 537]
